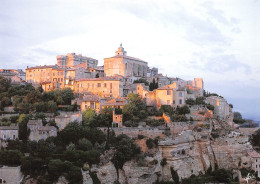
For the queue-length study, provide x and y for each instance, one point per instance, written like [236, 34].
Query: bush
[163, 162]
[140, 136]
[175, 176]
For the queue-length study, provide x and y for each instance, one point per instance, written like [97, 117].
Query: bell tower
[121, 51]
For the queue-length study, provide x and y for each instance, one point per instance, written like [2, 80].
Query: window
[180, 101]
[168, 92]
[111, 85]
[180, 94]
[99, 85]
[168, 102]
[105, 85]
[61, 79]
[53, 74]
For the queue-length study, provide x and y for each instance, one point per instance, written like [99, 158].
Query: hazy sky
[216, 40]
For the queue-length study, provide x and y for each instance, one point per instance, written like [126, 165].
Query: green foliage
[255, 139]
[190, 101]
[135, 109]
[182, 110]
[238, 119]
[153, 85]
[23, 131]
[10, 157]
[84, 144]
[210, 107]
[140, 136]
[175, 176]
[88, 116]
[200, 101]
[126, 149]
[163, 162]
[222, 175]
[166, 109]
[151, 143]
[142, 81]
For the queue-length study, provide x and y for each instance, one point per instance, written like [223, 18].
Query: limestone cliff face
[188, 153]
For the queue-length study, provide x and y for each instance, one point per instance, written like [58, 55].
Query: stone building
[124, 65]
[117, 120]
[255, 161]
[221, 107]
[92, 102]
[9, 132]
[115, 103]
[167, 95]
[10, 175]
[49, 76]
[67, 117]
[103, 86]
[38, 131]
[16, 76]
[72, 59]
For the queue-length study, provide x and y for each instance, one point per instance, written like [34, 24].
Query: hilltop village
[124, 122]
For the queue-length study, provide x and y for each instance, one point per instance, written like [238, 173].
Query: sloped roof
[100, 79]
[91, 98]
[127, 57]
[253, 154]
[45, 66]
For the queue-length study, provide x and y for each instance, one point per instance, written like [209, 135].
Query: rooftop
[253, 154]
[127, 57]
[91, 98]
[9, 128]
[45, 66]
[101, 79]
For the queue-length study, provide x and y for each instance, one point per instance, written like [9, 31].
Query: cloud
[220, 63]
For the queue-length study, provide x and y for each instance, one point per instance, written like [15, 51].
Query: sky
[216, 40]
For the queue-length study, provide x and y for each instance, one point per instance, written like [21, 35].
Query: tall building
[124, 65]
[73, 59]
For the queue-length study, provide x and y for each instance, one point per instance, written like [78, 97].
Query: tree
[190, 101]
[135, 108]
[55, 168]
[153, 85]
[126, 149]
[210, 107]
[67, 95]
[52, 106]
[238, 119]
[255, 139]
[175, 176]
[142, 81]
[84, 144]
[200, 100]
[88, 116]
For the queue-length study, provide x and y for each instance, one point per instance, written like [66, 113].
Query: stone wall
[133, 132]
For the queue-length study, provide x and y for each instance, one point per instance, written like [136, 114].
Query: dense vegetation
[26, 98]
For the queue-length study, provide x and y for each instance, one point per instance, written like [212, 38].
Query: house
[103, 86]
[255, 161]
[38, 131]
[90, 101]
[65, 118]
[221, 107]
[9, 132]
[10, 175]
[117, 120]
[167, 95]
[115, 103]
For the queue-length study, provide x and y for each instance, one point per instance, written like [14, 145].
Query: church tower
[121, 51]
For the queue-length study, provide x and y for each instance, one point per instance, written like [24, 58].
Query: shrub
[140, 136]
[163, 162]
